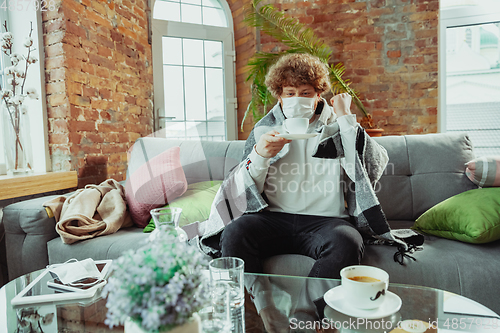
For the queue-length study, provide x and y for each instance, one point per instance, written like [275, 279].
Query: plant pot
[374, 132]
[193, 326]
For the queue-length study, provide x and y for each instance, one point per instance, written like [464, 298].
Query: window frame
[165, 28]
[3, 17]
[450, 18]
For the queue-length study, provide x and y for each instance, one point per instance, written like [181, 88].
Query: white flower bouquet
[159, 286]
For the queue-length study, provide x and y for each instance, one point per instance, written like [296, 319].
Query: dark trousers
[333, 242]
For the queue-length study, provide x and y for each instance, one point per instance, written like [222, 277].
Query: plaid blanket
[238, 193]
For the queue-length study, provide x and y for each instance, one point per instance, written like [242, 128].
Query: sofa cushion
[201, 160]
[423, 170]
[195, 203]
[98, 248]
[444, 264]
[472, 217]
[484, 171]
[28, 228]
[158, 181]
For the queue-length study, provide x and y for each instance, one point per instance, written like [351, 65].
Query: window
[193, 62]
[18, 23]
[207, 12]
[470, 72]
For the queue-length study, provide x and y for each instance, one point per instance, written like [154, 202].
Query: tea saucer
[297, 136]
[335, 298]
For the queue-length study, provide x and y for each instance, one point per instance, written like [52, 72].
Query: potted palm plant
[298, 39]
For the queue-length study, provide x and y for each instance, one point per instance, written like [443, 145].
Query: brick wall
[389, 48]
[245, 44]
[99, 70]
[99, 85]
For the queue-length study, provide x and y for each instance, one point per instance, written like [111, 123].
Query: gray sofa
[423, 170]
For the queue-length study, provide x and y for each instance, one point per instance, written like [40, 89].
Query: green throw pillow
[472, 216]
[195, 203]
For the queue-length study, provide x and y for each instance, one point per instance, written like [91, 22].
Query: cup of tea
[296, 125]
[365, 287]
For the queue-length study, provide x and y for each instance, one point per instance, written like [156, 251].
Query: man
[305, 195]
[289, 196]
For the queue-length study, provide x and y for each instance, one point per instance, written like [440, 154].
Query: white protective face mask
[298, 107]
[73, 270]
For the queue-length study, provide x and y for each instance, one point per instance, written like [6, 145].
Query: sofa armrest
[28, 228]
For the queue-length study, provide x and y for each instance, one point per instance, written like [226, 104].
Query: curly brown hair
[294, 70]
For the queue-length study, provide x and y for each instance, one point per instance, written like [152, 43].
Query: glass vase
[17, 140]
[167, 218]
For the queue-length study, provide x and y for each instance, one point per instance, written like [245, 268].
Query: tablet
[42, 290]
[59, 286]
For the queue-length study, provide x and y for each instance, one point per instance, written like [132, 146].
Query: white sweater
[301, 184]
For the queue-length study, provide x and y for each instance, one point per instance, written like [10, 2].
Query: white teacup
[296, 125]
[365, 287]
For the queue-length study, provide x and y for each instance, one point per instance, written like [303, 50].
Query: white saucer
[297, 136]
[335, 299]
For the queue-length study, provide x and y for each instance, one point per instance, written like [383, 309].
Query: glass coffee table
[300, 301]
[304, 302]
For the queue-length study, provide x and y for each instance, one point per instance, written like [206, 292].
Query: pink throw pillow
[154, 184]
[484, 171]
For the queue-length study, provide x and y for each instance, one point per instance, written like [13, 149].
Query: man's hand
[274, 321]
[269, 144]
[341, 104]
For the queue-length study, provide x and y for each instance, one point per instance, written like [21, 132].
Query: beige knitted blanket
[90, 212]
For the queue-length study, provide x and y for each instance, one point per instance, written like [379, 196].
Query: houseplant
[17, 141]
[297, 39]
[157, 288]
